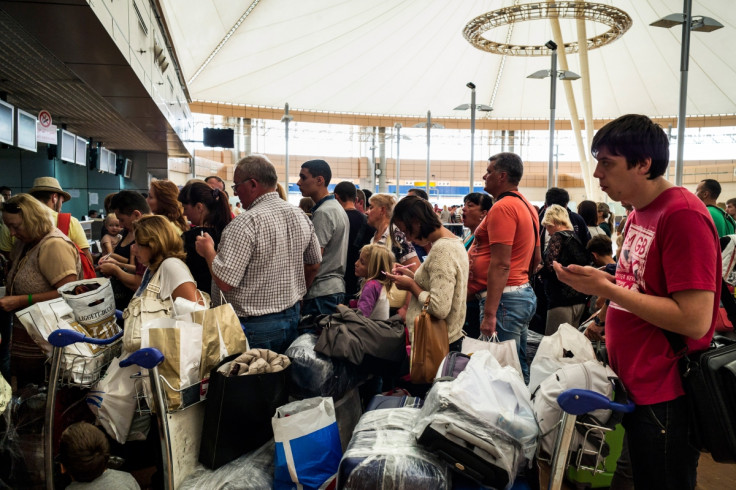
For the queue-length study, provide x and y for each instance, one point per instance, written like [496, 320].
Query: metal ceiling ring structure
[618, 21]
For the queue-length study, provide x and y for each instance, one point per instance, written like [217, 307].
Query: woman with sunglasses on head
[43, 259]
[208, 210]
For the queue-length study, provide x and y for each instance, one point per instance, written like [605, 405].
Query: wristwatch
[599, 322]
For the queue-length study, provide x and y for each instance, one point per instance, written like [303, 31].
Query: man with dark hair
[708, 191]
[418, 192]
[367, 193]
[266, 259]
[332, 228]
[556, 195]
[215, 182]
[512, 227]
[655, 298]
[360, 233]
[360, 201]
[6, 192]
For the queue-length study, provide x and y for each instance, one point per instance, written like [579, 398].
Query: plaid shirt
[262, 254]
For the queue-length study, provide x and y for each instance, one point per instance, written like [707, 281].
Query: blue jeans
[275, 331]
[323, 305]
[662, 455]
[514, 313]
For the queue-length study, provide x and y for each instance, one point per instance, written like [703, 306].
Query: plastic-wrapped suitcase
[383, 401]
[482, 423]
[384, 454]
[313, 374]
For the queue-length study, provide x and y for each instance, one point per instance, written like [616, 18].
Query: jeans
[514, 313]
[323, 305]
[662, 455]
[275, 331]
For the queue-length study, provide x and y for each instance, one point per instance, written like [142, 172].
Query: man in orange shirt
[513, 231]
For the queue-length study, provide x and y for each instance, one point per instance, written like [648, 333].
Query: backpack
[88, 268]
[588, 375]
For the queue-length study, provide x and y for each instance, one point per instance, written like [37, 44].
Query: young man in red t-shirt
[667, 279]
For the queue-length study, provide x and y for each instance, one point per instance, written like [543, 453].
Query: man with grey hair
[267, 258]
[513, 235]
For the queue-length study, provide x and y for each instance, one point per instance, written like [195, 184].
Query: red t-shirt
[671, 245]
[479, 258]
[512, 221]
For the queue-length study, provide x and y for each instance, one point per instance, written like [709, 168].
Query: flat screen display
[25, 130]
[128, 169]
[81, 153]
[104, 157]
[111, 161]
[6, 123]
[67, 145]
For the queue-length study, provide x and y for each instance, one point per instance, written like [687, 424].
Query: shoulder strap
[726, 217]
[534, 225]
[154, 285]
[63, 221]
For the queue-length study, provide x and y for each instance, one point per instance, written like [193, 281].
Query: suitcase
[709, 379]
[452, 365]
[382, 402]
[384, 454]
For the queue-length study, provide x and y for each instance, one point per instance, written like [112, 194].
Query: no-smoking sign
[44, 118]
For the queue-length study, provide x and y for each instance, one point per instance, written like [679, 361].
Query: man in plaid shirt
[267, 258]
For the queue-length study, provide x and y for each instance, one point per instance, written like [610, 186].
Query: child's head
[373, 259]
[83, 451]
[112, 225]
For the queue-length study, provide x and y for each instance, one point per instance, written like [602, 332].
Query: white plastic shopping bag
[181, 344]
[566, 346]
[93, 303]
[113, 400]
[308, 449]
[504, 352]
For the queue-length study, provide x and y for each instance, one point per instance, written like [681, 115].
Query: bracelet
[30, 299]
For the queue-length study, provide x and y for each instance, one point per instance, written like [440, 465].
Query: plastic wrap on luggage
[384, 454]
[532, 342]
[251, 471]
[21, 439]
[488, 402]
[313, 374]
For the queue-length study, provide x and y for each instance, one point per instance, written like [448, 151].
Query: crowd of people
[275, 262]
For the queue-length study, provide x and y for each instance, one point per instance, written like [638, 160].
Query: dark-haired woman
[442, 277]
[209, 211]
[589, 212]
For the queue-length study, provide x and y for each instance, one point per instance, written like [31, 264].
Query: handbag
[431, 345]
[238, 413]
[142, 309]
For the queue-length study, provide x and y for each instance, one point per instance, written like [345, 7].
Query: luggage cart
[77, 371]
[179, 429]
[576, 402]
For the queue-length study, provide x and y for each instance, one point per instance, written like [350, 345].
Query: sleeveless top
[25, 276]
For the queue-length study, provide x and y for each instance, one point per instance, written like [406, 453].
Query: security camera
[551, 45]
[470, 85]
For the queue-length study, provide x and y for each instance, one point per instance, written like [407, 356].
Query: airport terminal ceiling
[406, 57]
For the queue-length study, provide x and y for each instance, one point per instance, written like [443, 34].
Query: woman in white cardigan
[443, 276]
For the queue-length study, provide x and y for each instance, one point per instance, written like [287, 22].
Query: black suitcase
[709, 379]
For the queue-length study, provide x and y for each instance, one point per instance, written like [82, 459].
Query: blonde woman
[160, 249]
[43, 259]
[564, 304]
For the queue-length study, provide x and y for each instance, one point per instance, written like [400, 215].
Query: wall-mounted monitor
[218, 138]
[128, 168]
[67, 146]
[7, 123]
[103, 157]
[25, 130]
[81, 153]
[112, 160]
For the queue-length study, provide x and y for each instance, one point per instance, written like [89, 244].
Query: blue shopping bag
[308, 449]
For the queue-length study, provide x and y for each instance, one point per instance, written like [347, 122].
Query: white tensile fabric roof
[404, 57]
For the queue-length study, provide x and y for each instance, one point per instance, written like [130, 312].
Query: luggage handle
[147, 358]
[64, 337]
[579, 402]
